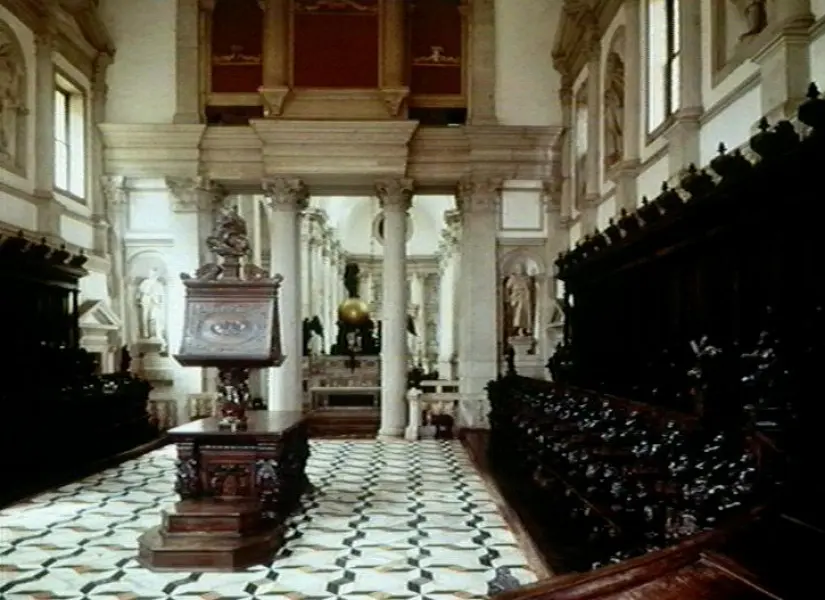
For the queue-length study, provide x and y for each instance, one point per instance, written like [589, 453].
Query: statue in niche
[755, 13]
[12, 93]
[150, 299]
[519, 288]
[614, 110]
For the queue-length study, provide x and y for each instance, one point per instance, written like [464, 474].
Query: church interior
[412, 299]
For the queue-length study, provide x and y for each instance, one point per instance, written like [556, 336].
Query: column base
[390, 433]
[411, 433]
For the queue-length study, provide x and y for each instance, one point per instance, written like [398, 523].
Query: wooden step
[163, 551]
[349, 422]
[212, 516]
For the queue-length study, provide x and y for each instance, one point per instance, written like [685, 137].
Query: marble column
[257, 226]
[393, 36]
[395, 196]
[275, 88]
[115, 198]
[447, 269]
[683, 136]
[328, 306]
[306, 265]
[286, 198]
[416, 303]
[49, 210]
[478, 200]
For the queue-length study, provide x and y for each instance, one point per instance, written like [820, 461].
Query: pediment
[96, 314]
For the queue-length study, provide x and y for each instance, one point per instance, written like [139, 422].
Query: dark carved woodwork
[236, 489]
[81, 416]
[705, 306]
[231, 319]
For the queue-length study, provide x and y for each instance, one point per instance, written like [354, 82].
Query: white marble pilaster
[395, 196]
[49, 209]
[306, 265]
[416, 303]
[593, 168]
[478, 200]
[286, 198]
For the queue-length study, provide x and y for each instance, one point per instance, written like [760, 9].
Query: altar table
[236, 490]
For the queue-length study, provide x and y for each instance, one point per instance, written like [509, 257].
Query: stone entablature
[329, 153]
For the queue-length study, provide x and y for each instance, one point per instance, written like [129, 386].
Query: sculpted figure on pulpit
[519, 293]
[150, 302]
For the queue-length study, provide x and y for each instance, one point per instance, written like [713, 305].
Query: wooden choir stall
[678, 452]
[239, 474]
[61, 416]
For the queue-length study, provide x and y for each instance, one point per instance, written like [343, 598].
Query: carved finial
[722, 148]
[763, 125]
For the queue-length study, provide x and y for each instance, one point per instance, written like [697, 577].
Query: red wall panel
[237, 46]
[436, 47]
[335, 44]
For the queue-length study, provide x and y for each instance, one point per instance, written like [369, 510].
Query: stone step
[163, 551]
[197, 517]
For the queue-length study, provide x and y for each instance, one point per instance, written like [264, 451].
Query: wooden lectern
[241, 474]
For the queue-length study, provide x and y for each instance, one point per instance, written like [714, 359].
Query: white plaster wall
[650, 180]
[142, 78]
[76, 232]
[522, 210]
[575, 233]
[25, 183]
[427, 222]
[94, 286]
[526, 83]
[731, 126]
[17, 212]
[818, 8]
[605, 212]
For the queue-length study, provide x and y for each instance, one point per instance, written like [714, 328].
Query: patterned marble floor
[386, 520]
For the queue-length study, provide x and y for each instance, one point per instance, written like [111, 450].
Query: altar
[236, 490]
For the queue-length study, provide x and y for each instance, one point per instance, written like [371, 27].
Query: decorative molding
[394, 99]
[194, 194]
[114, 191]
[395, 194]
[285, 193]
[582, 23]
[274, 100]
[479, 195]
[152, 150]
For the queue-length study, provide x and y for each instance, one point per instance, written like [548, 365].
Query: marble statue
[614, 110]
[518, 288]
[12, 93]
[150, 299]
[315, 344]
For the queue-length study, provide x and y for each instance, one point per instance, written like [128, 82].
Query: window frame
[670, 66]
[71, 169]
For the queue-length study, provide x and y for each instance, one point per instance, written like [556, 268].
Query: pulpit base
[210, 535]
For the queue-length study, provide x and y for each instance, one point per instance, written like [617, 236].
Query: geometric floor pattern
[385, 520]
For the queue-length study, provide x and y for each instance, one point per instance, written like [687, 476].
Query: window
[663, 32]
[69, 139]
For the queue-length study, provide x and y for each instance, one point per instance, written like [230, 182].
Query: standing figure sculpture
[150, 298]
[519, 289]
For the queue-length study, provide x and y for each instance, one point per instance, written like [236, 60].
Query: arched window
[662, 61]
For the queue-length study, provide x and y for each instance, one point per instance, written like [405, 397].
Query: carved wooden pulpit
[232, 319]
[241, 474]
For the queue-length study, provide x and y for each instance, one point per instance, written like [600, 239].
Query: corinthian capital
[394, 194]
[194, 193]
[286, 193]
[478, 195]
[114, 191]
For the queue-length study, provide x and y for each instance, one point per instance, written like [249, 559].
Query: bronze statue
[351, 276]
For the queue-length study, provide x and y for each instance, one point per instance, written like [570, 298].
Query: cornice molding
[582, 25]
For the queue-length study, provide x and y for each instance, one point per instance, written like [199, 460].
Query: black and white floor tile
[406, 520]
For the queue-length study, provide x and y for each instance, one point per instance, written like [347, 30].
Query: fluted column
[447, 288]
[275, 87]
[478, 200]
[306, 265]
[329, 308]
[395, 196]
[286, 198]
[393, 39]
